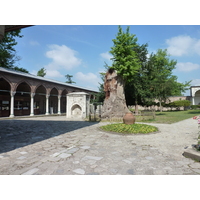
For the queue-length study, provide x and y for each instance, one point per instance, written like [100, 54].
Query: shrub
[180, 103]
[195, 107]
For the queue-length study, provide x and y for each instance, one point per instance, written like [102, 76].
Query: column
[59, 97]
[12, 94]
[193, 103]
[47, 104]
[32, 104]
[67, 106]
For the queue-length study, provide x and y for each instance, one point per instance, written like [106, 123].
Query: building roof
[43, 78]
[77, 93]
[9, 28]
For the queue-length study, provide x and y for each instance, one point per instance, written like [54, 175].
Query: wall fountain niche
[78, 104]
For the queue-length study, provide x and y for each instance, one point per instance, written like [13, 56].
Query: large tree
[154, 79]
[136, 90]
[41, 72]
[69, 79]
[162, 82]
[125, 65]
[125, 59]
[8, 56]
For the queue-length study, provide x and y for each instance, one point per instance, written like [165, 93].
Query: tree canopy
[8, 56]
[147, 76]
[125, 60]
[69, 79]
[41, 72]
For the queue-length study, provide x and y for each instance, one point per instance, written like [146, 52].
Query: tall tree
[69, 79]
[154, 79]
[125, 65]
[161, 75]
[136, 89]
[125, 59]
[8, 56]
[41, 72]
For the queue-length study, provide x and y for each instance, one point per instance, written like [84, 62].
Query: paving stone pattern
[56, 145]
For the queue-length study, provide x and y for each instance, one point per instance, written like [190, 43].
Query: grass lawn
[169, 117]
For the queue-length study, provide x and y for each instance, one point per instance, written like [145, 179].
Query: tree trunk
[136, 108]
[160, 105]
[115, 102]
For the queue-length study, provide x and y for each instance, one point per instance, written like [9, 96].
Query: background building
[27, 94]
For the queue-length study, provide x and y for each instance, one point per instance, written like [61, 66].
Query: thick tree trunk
[114, 103]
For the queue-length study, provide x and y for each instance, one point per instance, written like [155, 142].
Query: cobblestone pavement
[55, 145]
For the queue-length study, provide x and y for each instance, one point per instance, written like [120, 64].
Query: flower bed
[128, 129]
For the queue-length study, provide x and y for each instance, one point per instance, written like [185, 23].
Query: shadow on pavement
[19, 133]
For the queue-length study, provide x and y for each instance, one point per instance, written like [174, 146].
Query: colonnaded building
[27, 94]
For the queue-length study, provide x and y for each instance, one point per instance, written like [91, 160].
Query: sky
[83, 50]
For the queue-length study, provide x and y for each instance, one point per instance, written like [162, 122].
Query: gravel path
[54, 145]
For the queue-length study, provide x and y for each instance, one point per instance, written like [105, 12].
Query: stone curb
[126, 134]
[192, 153]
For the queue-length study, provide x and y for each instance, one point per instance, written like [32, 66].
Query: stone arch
[21, 82]
[63, 101]
[54, 89]
[5, 89]
[53, 100]
[6, 79]
[22, 99]
[197, 93]
[39, 85]
[4, 84]
[76, 111]
[197, 97]
[40, 100]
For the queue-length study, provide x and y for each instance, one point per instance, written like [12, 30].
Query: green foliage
[100, 96]
[69, 79]
[161, 74]
[181, 103]
[136, 89]
[8, 55]
[133, 128]
[41, 72]
[154, 79]
[195, 107]
[125, 60]
[147, 77]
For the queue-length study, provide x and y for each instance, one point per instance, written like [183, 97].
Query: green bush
[195, 107]
[180, 103]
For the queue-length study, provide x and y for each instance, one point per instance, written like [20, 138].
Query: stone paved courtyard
[55, 145]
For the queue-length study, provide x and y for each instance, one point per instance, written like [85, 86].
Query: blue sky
[81, 50]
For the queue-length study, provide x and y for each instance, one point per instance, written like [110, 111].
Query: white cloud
[62, 57]
[50, 73]
[89, 78]
[106, 55]
[54, 74]
[197, 47]
[180, 45]
[187, 67]
[34, 72]
[183, 45]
